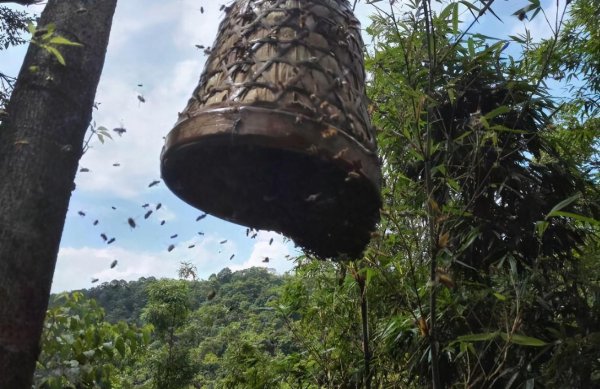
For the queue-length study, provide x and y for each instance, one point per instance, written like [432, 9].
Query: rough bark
[40, 146]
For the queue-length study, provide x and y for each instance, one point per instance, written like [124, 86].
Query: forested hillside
[125, 301]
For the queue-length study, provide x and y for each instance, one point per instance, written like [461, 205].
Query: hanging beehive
[277, 134]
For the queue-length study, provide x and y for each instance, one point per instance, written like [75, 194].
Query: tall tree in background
[41, 139]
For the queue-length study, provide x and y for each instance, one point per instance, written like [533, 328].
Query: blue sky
[153, 43]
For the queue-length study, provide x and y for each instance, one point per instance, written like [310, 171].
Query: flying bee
[153, 183]
[111, 241]
[131, 222]
[200, 217]
[145, 205]
[120, 131]
[158, 206]
[232, 255]
[113, 264]
[271, 242]
[223, 241]
[104, 237]
[95, 222]
[141, 99]
[201, 10]
[201, 233]
[116, 164]
[173, 236]
[201, 47]
[94, 280]
[266, 260]
[81, 213]
[171, 247]
[162, 223]
[191, 246]
[114, 208]
[84, 170]
[147, 215]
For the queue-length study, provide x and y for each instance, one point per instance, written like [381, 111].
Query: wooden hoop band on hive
[277, 134]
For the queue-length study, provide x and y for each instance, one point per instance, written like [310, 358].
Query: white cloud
[276, 253]
[135, 17]
[77, 266]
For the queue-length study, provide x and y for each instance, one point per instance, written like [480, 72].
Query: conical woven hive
[277, 134]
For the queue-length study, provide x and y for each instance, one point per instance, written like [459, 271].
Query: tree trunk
[40, 146]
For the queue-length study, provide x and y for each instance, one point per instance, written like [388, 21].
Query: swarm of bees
[150, 209]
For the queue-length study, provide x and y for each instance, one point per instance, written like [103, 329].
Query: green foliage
[121, 300]
[469, 137]
[80, 349]
[12, 26]
[46, 38]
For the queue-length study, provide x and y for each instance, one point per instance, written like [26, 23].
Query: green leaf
[470, 6]
[481, 337]
[50, 28]
[523, 340]
[455, 18]
[446, 11]
[499, 296]
[59, 40]
[517, 39]
[580, 218]
[57, 54]
[563, 204]
[31, 28]
[540, 227]
[497, 112]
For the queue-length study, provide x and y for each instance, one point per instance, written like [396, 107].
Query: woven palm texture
[277, 135]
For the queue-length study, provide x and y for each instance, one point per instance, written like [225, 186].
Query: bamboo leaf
[481, 337]
[523, 340]
[580, 218]
[563, 204]
[497, 112]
